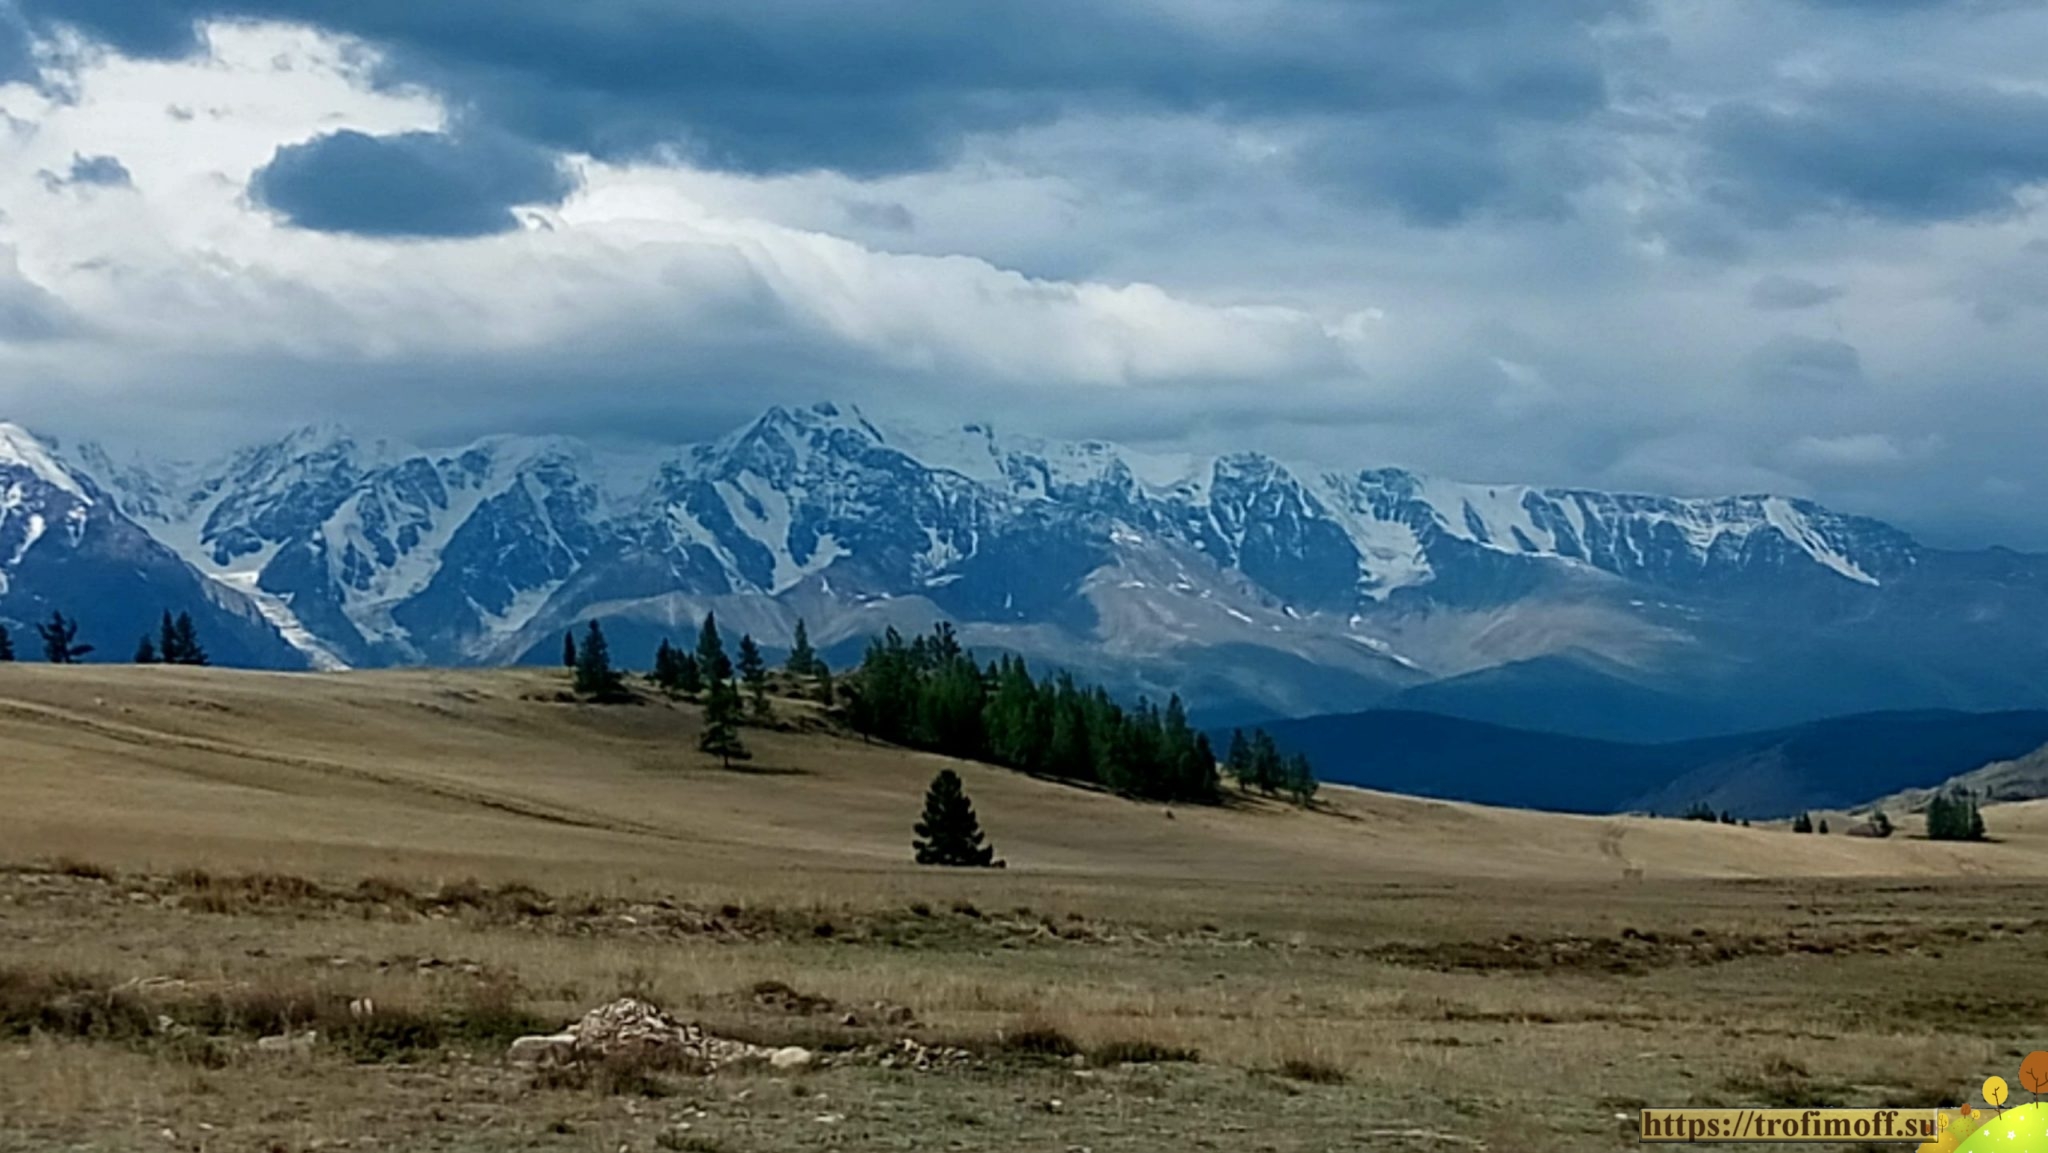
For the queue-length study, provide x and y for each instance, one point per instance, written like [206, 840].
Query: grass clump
[1785, 1084]
[676, 1142]
[83, 870]
[627, 1073]
[1311, 1070]
[69, 1004]
[1135, 1051]
[1038, 1040]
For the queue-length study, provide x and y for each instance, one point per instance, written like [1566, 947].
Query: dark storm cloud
[1895, 150]
[1776, 292]
[1792, 363]
[103, 171]
[415, 184]
[890, 86]
[91, 171]
[1442, 169]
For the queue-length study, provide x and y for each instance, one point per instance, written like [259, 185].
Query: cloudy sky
[1694, 246]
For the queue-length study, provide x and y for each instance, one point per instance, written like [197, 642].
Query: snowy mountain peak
[21, 449]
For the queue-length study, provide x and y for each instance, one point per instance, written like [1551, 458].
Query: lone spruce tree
[712, 663]
[595, 676]
[950, 834]
[721, 735]
[803, 659]
[666, 674]
[60, 640]
[145, 651]
[6, 644]
[569, 649]
[189, 650]
[754, 674]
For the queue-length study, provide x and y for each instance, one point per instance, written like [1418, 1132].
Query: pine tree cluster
[1954, 816]
[675, 671]
[932, 694]
[1255, 762]
[176, 643]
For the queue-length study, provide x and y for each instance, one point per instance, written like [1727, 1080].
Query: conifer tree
[826, 693]
[667, 673]
[6, 644]
[569, 649]
[754, 674]
[689, 678]
[932, 694]
[721, 735]
[595, 676]
[803, 660]
[949, 833]
[1269, 768]
[1301, 780]
[1803, 823]
[1953, 815]
[712, 663]
[167, 639]
[145, 651]
[1239, 761]
[60, 640]
[186, 639]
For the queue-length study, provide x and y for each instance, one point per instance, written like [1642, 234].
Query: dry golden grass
[1385, 974]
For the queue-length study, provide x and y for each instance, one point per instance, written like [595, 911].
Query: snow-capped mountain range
[1247, 583]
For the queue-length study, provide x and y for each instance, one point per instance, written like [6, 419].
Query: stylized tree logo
[1994, 1092]
[2034, 1073]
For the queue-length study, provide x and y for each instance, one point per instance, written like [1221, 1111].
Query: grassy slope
[1483, 978]
[483, 772]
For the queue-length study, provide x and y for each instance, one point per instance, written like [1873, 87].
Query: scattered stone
[289, 1042]
[790, 1057]
[634, 1028]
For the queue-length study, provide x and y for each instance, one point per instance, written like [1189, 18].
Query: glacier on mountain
[1356, 580]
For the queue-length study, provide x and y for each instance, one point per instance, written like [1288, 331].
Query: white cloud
[1158, 273]
[183, 265]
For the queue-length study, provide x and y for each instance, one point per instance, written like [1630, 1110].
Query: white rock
[791, 1057]
[541, 1047]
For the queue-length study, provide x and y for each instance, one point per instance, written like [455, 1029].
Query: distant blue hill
[1833, 763]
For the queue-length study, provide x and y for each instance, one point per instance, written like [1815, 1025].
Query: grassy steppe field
[193, 859]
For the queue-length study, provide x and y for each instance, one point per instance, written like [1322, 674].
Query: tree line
[931, 693]
[176, 642]
[732, 691]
